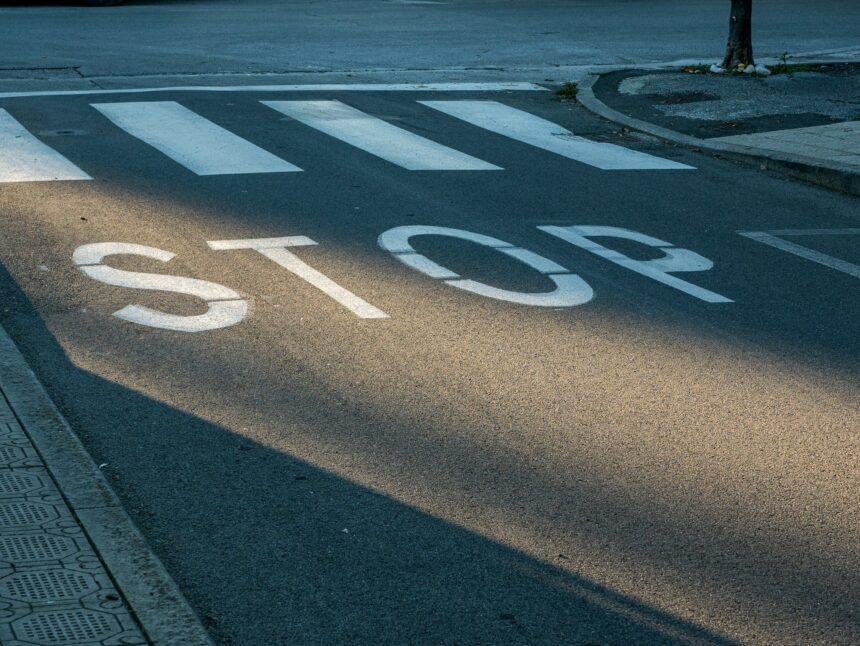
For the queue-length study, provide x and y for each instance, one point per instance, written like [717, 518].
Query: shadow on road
[274, 547]
[270, 535]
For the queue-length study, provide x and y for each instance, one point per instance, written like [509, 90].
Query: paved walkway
[838, 142]
[54, 589]
[73, 568]
[717, 98]
[783, 122]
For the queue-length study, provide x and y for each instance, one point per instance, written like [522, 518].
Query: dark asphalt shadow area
[334, 561]
[270, 547]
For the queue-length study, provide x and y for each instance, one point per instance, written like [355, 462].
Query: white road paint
[774, 239]
[191, 140]
[275, 249]
[570, 289]
[675, 260]
[377, 137]
[533, 130]
[298, 87]
[23, 158]
[808, 232]
[260, 243]
[225, 307]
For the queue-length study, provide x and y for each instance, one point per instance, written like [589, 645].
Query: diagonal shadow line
[152, 410]
[400, 576]
[817, 571]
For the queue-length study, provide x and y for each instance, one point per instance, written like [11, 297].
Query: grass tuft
[567, 92]
[784, 67]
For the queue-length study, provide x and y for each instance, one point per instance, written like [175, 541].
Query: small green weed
[784, 67]
[567, 92]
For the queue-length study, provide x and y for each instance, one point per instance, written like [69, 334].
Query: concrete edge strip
[152, 595]
[839, 177]
[455, 77]
[496, 86]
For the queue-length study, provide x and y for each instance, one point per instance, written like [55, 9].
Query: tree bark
[739, 48]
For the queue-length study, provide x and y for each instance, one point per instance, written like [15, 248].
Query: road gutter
[152, 596]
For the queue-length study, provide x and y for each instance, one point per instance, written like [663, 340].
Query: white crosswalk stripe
[23, 158]
[198, 144]
[206, 148]
[528, 128]
[378, 137]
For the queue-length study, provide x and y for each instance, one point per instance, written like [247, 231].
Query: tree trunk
[739, 48]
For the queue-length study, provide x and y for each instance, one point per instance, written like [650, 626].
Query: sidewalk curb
[838, 177]
[152, 595]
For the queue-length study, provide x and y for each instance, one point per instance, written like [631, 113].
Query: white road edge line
[812, 232]
[767, 237]
[297, 87]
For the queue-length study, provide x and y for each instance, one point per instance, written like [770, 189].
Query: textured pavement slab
[839, 142]
[786, 122]
[733, 98]
[53, 588]
[708, 105]
[73, 568]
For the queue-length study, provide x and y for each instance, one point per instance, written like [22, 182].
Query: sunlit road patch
[444, 366]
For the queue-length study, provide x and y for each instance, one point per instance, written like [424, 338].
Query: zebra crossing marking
[206, 148]
[24, 158]
[203, 147]
[531, 129]
[378, 137]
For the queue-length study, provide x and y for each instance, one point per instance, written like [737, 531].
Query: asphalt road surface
[145, 37]
[409, 433]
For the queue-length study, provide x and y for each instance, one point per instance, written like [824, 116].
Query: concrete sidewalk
[73, 568]
[839, 142]
[802, 121]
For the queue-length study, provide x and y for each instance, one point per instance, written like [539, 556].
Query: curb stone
[152, 595]
[832, 175]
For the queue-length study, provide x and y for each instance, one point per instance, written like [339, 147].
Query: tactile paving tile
[66, 627]
[71, 627]
[31, 481]
[27, 549]
[54, 590]
[15, 447]
[47, 586]
[26, 514]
